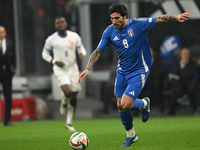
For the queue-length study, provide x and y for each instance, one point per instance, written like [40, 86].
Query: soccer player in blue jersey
[130, 39]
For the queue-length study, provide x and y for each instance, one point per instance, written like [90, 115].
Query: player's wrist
[88, 69]
[178, 17]
[53, 61]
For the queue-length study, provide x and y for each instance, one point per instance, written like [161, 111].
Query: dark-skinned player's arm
[93, 58]
[172, 18]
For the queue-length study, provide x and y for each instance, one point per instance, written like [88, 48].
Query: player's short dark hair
[118, 8]
[59, 17]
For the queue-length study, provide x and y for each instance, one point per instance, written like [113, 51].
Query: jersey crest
[71, 42]
[130, 32]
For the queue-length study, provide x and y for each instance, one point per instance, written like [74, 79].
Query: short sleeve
[105, 41]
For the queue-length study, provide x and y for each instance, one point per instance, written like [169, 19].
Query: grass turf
[159, 133]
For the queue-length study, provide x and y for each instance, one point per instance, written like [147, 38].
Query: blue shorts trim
[130, 84]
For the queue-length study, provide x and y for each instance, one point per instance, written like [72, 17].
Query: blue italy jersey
[131, 43]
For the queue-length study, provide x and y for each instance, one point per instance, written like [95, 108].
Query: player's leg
[66, 91]
[127, 120]
[139, 104]
[70, 106]
[144, 106]
[63, 105]
[134, 87]
[71, 111]
[75, 88]
[64, 83]
[125, 115]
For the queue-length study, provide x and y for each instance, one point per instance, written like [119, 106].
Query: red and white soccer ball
[79, 140]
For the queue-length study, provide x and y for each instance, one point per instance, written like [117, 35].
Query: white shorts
[71, 80]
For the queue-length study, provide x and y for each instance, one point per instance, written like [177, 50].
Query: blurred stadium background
[29, 22]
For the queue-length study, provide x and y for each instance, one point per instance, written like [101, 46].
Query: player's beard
[120, 25]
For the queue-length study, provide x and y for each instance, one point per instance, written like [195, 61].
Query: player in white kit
[60, 50]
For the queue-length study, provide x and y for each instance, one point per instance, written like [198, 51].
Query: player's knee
[67, 94]
[125, 106]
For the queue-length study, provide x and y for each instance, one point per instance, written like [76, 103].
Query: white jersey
[63, 49]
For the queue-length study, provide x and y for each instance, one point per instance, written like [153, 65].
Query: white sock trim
[145, 103]
[130, 133]
[70, 114]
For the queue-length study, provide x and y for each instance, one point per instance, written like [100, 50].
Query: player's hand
[183, 17]
[80, 55]
[83, 75]
[60, 63]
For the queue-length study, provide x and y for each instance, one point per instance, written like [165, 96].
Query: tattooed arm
[171, 18]
[93, 58]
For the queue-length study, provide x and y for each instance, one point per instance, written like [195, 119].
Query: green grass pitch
[159, 133]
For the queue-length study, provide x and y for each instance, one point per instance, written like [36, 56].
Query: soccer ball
[79, 140]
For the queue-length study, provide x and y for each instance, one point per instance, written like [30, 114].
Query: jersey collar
[62, 36]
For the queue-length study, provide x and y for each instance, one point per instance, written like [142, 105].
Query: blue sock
[138, 103]
[127, 119]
